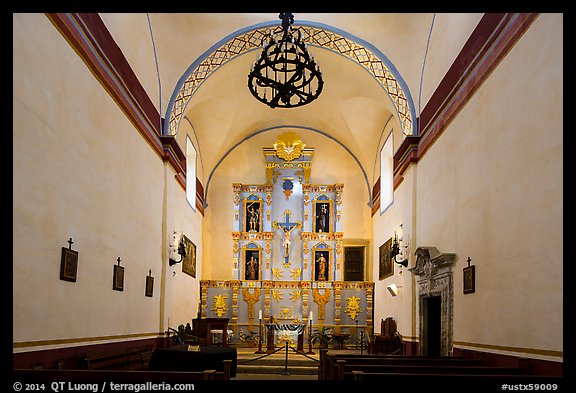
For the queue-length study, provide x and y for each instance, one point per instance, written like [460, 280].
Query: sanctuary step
[274, 366]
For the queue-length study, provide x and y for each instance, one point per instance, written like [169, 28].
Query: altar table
[179, 358]
[291, 327]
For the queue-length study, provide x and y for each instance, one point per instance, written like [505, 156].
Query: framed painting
[189, 261]
[118, 279]
[469, 279]
[69, 265]
[386, 260]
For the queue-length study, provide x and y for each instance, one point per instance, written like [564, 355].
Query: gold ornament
[295, 295]
[353, 307]
[278, 273]
[295, 273]
[288, 146]
[277, 295]
[220, 307]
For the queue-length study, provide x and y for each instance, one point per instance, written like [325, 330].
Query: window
[354, 263]
[190, 173]
[386, 174]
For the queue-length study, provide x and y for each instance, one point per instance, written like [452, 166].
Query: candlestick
[260, 333]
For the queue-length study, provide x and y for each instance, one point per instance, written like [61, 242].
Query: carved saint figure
[253, 215]
[252, 269]
[321, 261]
[322, 223]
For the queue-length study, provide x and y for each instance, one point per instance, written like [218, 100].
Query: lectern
[202, 328]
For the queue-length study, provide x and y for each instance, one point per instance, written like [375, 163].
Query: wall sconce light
[181, 251]
[393, 289]
[396, 252]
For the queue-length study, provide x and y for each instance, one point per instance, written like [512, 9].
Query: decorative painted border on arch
[326, 37]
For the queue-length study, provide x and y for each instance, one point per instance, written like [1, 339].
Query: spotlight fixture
[393, 289]
[285, 75]
[181, 252]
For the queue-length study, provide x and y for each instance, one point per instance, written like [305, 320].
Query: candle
[310, 317]
[260, 314]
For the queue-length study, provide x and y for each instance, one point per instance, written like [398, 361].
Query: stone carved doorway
[434, 279]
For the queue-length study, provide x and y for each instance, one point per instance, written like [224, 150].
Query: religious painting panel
[149, 286]
[189, 260]
[322, 213]
[469, 279]
[386, 260]
[321, 254]
[118, 279]
[69, 265]
[252, 214]
[252, 255]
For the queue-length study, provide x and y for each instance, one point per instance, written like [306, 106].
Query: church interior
[394, 180]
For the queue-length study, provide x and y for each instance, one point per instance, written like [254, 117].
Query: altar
[281, 333]
[287, 257]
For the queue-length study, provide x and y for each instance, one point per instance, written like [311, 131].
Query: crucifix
[287, 228]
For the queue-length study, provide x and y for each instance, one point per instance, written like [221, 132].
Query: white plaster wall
[182, 290]
[397, 218]
[490, 188]
[331, 164]
[81, 170]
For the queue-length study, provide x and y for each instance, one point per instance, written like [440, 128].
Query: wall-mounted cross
[70, 243]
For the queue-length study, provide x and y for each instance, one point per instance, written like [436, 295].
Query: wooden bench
[138, 358]
[493, 379]
[50, 375]
[345, 371]
[329, 369]
[125, 359]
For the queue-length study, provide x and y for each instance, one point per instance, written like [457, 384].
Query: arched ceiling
[353, 108]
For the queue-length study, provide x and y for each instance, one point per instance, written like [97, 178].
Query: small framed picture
[386, 260]
[149, 286]
[118, 282]
[469, 279]
[69, 265]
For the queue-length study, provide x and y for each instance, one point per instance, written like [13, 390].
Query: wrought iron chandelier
[285, 75]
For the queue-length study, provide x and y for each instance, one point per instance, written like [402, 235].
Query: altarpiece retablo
[287, 255]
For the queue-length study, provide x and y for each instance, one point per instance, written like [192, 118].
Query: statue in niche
[252, 266]
[253, 217]
[321, 265]
[322, 217]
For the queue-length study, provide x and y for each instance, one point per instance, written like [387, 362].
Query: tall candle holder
[310, 352]
[260, 336]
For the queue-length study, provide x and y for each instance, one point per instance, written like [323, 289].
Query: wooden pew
[50, 375]
[492, 379]
[124, 359]
[329, 369]
[106, 360]
[138, 358]
[345, 371]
